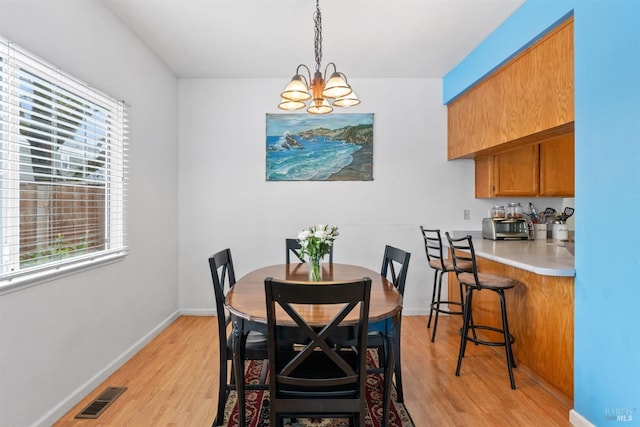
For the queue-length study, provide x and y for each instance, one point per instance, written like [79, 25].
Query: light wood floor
[173, 382]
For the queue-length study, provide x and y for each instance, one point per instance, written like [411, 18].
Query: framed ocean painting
[336, 147]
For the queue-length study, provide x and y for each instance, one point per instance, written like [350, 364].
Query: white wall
[59, 339]
[225, 200]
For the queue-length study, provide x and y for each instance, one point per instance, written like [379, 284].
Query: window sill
[19, 283]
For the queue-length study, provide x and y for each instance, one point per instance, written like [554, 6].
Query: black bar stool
[462, 252]
[436, 260]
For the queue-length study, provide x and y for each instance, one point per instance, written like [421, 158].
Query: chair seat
[256, 346]
[448, 264]
[257, 339]
[375, 339]
[489, 281]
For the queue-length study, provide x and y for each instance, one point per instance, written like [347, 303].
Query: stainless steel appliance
[507, 228]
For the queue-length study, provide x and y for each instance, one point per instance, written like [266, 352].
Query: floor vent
[102, 402]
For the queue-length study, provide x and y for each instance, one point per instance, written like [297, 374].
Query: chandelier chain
[323, 91]
[317, 18]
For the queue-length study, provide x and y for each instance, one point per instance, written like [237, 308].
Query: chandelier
[324, 95]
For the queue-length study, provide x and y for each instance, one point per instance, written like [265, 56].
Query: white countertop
[544, 257]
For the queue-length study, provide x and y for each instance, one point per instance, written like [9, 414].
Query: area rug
[257, 404]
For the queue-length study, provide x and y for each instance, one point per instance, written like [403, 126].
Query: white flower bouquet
[316, 242]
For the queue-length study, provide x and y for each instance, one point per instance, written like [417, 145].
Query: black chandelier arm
[307, 81]
[335, 71]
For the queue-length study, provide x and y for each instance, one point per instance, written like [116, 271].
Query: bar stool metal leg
[465, 329]
[511, 363]
[433, 299]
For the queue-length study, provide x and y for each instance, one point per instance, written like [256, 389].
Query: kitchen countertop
[543, 257]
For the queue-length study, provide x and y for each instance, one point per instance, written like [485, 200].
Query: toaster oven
[507, 229]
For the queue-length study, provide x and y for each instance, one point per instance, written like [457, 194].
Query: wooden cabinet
[524, 98]
[538, 170]
[557, 171]
[484, 177]
[516, 172]
[541, 311]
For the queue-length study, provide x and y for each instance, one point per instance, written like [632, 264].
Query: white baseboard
[578, 420]
[415, 312]
[81, 392]
[197, 312]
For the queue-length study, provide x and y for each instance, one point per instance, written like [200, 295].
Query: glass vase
[315, 269]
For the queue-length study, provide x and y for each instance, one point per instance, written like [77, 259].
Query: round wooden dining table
[247, 304]
[246, 299]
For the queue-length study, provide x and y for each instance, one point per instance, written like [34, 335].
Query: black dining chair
[293, 247]
[254, 345]
[383, 336]
[395, 265]
[317, 378]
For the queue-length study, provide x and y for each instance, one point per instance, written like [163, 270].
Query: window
[62, 169]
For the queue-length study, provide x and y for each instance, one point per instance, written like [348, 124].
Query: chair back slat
[395, 265]
[289, 369]
[463, 254]
[433, 247]
[223, 277]
[292, 246]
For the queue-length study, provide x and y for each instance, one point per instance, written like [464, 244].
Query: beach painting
[335, 147]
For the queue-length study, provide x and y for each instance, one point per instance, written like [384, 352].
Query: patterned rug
[257, 405]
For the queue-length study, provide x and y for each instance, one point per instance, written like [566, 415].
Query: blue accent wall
[523, 28]
[607, 184]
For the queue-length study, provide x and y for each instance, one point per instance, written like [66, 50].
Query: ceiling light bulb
[289, 105]
[296, 90]
[336, 87]
[347, 101]
[320, 106]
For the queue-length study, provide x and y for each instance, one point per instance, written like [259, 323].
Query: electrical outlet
[467, 214]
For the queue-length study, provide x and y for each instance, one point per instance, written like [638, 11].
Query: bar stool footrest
[485, 342]
[436, 307]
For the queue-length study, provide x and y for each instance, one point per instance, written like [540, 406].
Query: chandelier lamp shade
[321, 93]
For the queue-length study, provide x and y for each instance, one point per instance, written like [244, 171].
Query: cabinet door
[527, 96]
[516, 172]
[557, 167]
[485, 181]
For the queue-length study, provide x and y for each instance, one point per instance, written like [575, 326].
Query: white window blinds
[63, 168]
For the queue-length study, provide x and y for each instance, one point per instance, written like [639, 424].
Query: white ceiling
[269, 38]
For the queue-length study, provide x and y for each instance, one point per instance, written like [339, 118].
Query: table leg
[238, 367]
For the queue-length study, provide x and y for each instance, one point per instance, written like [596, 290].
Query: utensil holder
[560, 231]
[540, 231]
